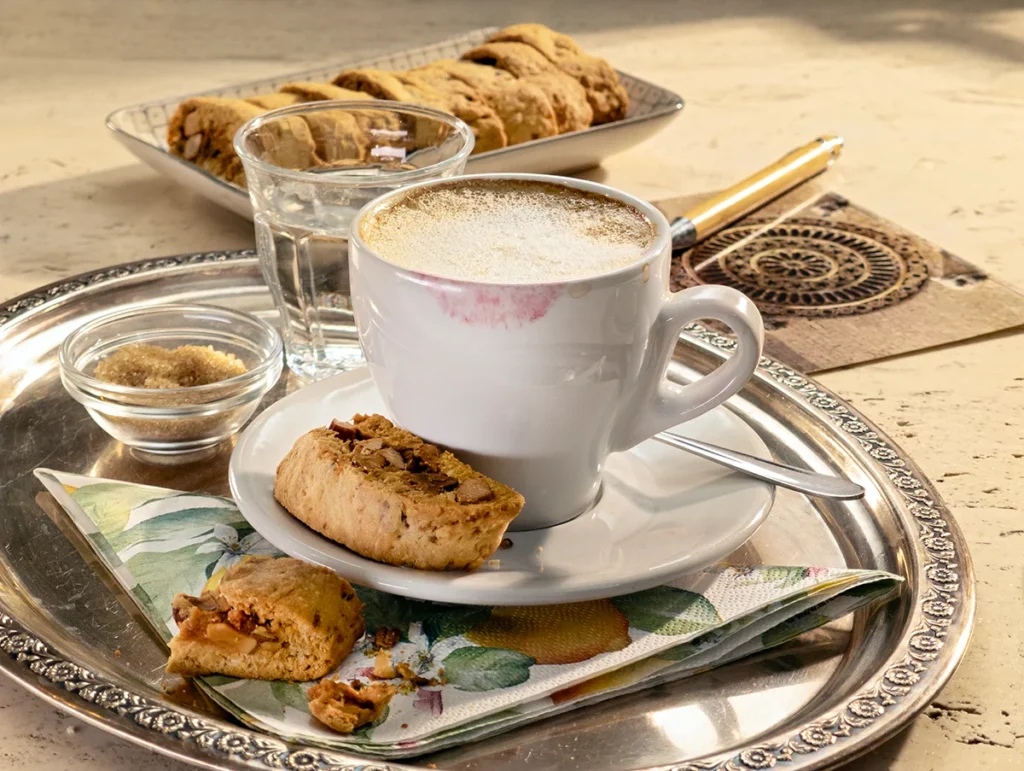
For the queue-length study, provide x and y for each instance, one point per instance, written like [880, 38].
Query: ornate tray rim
[924, 659]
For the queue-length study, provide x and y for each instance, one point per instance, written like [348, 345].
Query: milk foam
[508, 231]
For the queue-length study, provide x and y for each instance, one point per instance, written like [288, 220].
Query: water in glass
[303, 206]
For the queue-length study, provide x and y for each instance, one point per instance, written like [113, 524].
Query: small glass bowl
[172, 425]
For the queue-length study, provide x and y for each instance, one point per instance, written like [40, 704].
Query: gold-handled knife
[728, 206]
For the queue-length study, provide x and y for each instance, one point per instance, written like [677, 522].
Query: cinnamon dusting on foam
[508, 231]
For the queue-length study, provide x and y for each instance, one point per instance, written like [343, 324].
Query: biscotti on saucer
[268, 619]
[386, 494]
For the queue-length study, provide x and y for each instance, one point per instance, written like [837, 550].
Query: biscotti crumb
[344, 707]
[386, 637]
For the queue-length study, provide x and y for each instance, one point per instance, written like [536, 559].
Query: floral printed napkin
[495, 667]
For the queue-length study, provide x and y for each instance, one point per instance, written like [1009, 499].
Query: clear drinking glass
[309, 169]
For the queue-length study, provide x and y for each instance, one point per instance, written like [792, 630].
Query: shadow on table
[94, 220]
[153, 29]
[886, 755]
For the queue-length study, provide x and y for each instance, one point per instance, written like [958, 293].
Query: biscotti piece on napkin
[268, 619]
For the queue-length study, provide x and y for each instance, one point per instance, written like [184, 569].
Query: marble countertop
[929, 96]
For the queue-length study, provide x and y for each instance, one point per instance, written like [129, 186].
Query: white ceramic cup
[535, 384]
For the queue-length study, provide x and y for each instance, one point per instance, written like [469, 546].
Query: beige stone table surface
[929, 95]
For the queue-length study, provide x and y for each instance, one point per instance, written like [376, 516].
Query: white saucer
[662, 513]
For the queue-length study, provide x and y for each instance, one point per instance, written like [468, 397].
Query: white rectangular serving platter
[142, 128]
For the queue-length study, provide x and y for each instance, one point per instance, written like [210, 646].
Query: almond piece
[191, 124]
[429, 456]
[473, 490]
[229, 637]
[382, 666]
[192, 145]
[393, 457]
[373, 460]
[367, 446]
[344, 429]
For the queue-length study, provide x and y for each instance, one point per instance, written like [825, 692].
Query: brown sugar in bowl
[166, 406]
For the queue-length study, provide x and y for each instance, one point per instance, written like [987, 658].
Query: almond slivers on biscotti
[388, 495]
[268, 619]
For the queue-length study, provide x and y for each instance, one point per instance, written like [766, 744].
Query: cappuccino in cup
[508, 231]
[525, 323]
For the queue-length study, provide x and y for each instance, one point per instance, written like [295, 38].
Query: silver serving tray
[68, 636]
[142, 128]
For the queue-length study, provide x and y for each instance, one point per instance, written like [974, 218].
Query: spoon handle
[808, 482]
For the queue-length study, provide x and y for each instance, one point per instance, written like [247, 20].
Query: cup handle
[656, 403]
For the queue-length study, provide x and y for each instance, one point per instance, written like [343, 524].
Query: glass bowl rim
[96, 388]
